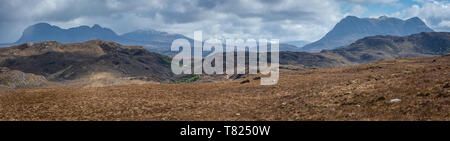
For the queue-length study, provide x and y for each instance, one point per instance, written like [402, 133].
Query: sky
[287, 20]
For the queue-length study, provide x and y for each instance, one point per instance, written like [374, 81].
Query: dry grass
[344, 93]
[103, 79]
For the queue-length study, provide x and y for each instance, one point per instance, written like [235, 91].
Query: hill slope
[58, 62]
[353, 28]
[15, 79]
[374, 48]
[346, 93]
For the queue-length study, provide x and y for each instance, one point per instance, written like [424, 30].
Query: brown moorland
[401, 89]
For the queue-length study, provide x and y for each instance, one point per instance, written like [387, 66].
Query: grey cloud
[371, 1]
[234, 17]
[209, 4]
[434, 13]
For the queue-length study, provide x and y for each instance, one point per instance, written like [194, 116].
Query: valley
[400, 89]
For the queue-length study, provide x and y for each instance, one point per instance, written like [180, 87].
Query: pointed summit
[96, 26]
[415, 20]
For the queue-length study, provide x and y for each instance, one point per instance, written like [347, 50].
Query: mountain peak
[147, 31]
[96, 26]
[415, 20]
[41, 25]
[352, 28]
[350, 17]
[46, 32]
[383, 17]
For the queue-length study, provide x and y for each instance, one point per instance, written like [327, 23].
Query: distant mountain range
[155, 41]
[102, 62]
[353, 28]
[148, 38]
[46, 32]
[373, 48]
[298, 43]
[344, 33]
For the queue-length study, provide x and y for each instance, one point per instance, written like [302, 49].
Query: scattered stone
[407, 72]
[352, 82]
[422, 94]
[349, 103]
[446, 85]
[245, 81]
[395, 100]
[257, 78]
[381, 98]
[283, 104]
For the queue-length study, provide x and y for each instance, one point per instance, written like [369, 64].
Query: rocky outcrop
[16, 79]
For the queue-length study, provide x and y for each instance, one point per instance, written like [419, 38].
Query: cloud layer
[435, 13]
[283, 19]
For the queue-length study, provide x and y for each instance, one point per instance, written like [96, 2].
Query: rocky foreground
[402, 89]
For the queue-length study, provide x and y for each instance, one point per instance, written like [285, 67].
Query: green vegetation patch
[189, 79]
